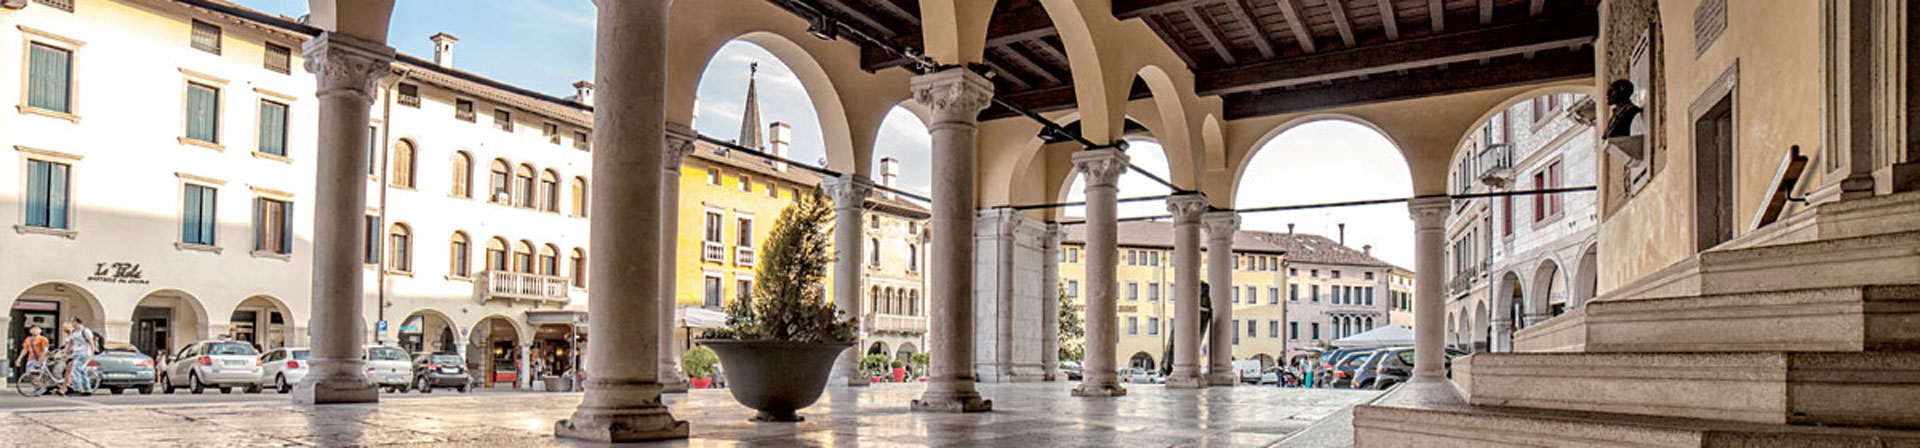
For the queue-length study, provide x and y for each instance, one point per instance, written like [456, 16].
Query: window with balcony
[497, 254]
[550, 260]
[712, 251]
[743, 241]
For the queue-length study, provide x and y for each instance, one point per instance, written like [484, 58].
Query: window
[370, 246]
[1293, 293]
[400, 244]
[549, 260]
[458, 253]
[579, 268]
[712, 297]
[1316, 330]
[580, 196]
[1313, 291]
[47, 189]
[1315, 273]
[206, 37]
[1369, 296]
[462, 175]
[1236, 332]
[49, 78]
[913, 258]
[523, 257]
[1273, 329]
[551, 131]
[743, 232]
[1153, 258]
[63, 5]
[580, 140]
[523, 186]
[273, 128]
[746, 184]
[1153, 292]
[1153, 326]
[1073, 289]
[197, 218]
[873, 252]
[503, 120]
[743, 290]
[1369, 276]
[714, 227]
[1506, 216]
[1273, 295]
[409, 94]
[1133, 292]
[1236, 294]
[498, 179]
[713, 177]
[278, 58]
[772, 193]
[1253, 296]
[1133, 325]
[463, 110]
[272, 226]
[549, 191]
[1336, 273]
[496, 254]
[1293, 330]
[1073, 255]
[402, 164]
[203, 112]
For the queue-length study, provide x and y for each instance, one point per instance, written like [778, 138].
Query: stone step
[1844, 319]
[1869, 389]
[1448, 426]
[1843, 219]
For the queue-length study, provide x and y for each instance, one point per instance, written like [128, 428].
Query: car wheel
[280, 384]
[193, 384]
[253, 388]
[166, 386]
[226, 390]
[462, 389]
[146, 390]
[425, 387]
[114, 390]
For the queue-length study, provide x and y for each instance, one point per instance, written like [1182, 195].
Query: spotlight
[823, 28]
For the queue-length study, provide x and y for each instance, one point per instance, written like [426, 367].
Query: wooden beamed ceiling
[1266, 57]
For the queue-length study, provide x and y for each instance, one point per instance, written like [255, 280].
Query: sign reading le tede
[117, 272]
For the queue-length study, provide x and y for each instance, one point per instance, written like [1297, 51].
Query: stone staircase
[1806, 333]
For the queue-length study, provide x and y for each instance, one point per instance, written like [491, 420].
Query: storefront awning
[557, 317]
[697, 317]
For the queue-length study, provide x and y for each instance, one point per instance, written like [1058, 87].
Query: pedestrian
[81, 346]
[33, 351]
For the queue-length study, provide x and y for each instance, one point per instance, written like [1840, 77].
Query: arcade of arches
[1424, 82]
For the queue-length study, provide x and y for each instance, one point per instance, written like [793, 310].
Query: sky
[547, 46]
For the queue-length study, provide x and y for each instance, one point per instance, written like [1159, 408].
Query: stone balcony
[893, 323]
[519, 286]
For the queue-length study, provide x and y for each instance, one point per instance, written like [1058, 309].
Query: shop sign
[117, 272]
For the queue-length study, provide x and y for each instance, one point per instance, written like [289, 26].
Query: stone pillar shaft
[955, 97]
[680, 140]
[1187, 209]
[1429, 285]
[1221, 225]
[1102, 169]
[346, 69]
[622, 400]
[849, 194]
[1050, 308]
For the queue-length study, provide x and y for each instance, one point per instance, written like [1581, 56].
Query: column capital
[1221, 224]
[343, 64]
[1054, 233]
[680, 140]
[1102, 167]
[954, 95]
[1186, 207]
[848, 191]
[1430, 212]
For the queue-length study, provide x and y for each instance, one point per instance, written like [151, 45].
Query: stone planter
[776, 377]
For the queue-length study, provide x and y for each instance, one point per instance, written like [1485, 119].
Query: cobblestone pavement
[1034, 414]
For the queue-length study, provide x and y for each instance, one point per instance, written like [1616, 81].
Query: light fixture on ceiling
[823, 27]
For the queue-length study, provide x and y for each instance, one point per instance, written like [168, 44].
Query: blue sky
[546, 45]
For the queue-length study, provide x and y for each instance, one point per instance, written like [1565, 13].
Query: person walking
[81, 345]
[33, 352]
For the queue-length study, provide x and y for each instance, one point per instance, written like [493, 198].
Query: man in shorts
[33, 352]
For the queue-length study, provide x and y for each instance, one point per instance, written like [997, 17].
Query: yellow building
[1145, 293]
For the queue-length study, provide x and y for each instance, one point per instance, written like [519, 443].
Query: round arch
[1548, 284]
[1570, 87]
[1239, 167]
[877, 348]
[167, 319]
[905, 352]
[495, 346]
[1585, 276]
[1482, 329]
[429, 330]
[265, 321]
[823, 92]
[48, 305]
[1141, 360]
[1510, 306]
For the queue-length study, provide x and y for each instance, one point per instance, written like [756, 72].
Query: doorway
[1713, 149]
[152, 329]
[33, 313]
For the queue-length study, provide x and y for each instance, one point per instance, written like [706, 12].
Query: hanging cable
[1280, 208]
[809, 167]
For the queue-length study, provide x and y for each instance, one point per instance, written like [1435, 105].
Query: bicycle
[45, 378]
[36, 381]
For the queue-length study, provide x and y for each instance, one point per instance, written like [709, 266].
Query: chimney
[443, 49]
[1343, 234]
[779, 137]
[889, 172]
[583, 92]
[1289, 228]
[1367, 249]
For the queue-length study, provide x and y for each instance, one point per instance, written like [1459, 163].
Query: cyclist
[80, 346]
[33, 352]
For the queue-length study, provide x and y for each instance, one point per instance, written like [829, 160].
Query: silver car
[390, 368]
[213, 364]
[282, 368]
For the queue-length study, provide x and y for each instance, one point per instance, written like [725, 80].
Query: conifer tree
[788, 301]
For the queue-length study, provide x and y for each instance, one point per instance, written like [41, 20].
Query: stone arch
[496, 356]
[1453, 330]
[185, 320]
[1482, 329]
[1580, 88]
[1141, 360]
[1548, 282]
[364, 19]
[429, 330]
[1509, 306]
[48, 305]
[1585, 276]
[877, 348]
[905, 352]
[264, 332]
[1173, 132]
[1239, 168]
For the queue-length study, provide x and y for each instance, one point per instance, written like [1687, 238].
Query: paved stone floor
[1039, 415]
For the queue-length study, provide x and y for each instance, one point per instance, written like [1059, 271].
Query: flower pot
[776, 377]
[701, 382]
[899, 374]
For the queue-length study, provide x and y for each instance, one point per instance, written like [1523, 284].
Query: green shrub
[873, 365]
[788, 302]
[699, 362]
[896, 364]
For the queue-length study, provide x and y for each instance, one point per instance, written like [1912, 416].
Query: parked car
[1140, 376]
[282, 368]
[389, 368]
[1368, 375]
[1323, 367]
[1248, 370]
[1071, 370]
[219, 364]
[122, 367]
[443, 369]
[1396, 369]
[1343, 371]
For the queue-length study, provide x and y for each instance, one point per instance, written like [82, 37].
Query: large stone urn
[776, 377]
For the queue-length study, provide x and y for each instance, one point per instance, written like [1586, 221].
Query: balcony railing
[1463, 279]
[896, 323]
[507, 285]
[743, 256]
[464, 115]
[1496, 165]
[713, 252]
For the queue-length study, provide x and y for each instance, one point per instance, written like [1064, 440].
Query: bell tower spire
[750, 120]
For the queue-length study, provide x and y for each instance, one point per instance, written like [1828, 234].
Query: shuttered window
[206, 37]
[63, 5]
[273, 128]
[278, 59]
[49, 78]
[203, 113]
[47, 187]
[197, 215]
[272, 231]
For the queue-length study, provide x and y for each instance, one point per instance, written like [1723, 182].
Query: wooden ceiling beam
[1127, 9]
[1536, 7]
[1298, 21]
[1341, 22]
[1160, 28]
[1569, 31]
[859, 14]
[1389, 20]
[1486, 12]
[1010, 75]
[1211, 31]
[1024, 57]
[898, 11]
[1007, 28]
[1561, 66]
[1259, 35]
[1437, 13]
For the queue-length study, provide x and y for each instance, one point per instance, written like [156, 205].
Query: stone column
[849, 194]
[523, 363]
[680, 140]
[1187, 209]
[1050, 305]
[1101, 168]
[346, 69]
[1502, 333]
[1221, 225]
[1429, 285]
[955, 96]
[1009, 257]
[622, 400]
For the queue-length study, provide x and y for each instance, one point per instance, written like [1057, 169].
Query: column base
[644, 424]
[849, 381]
[952, 404]
[1226, 379]
[1186, 381]
[846, 371]
[1093, 389]
[1050, 375]
[336, 392]
[673, 380]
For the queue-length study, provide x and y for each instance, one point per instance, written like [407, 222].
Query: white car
[213, 364]
[389, 368]
[282, 368]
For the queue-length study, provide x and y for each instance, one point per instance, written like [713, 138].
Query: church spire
[750, 120]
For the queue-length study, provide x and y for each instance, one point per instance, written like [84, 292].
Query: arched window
[579, 268]
[499, 180]
[913, 302]
[873, 252]
[873, 300]
[497, 254]
[523, 186]
[892, 294]
[462, 175]
[400, 244]
[549, 191]
[913, 258]
[549, 260]
[459, 251]
[523, 257]
[402, 164]
[580, 196]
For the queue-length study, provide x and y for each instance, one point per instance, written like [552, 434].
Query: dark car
[1396, 369]
[1368, 375]
[1323, 370]
[437, 370]
[122, 367]
[1343, 371]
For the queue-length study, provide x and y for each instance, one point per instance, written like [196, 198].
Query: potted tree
[779, 344]
[899, 371]
[873, 366]
[920, 361]
[699, 362]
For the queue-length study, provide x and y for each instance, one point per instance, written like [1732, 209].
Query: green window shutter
[190, 216]
[56, 196]
[259, 224]
[273, 128]
[286, 227]
[48, 78]
[203, 113]
[37, 193]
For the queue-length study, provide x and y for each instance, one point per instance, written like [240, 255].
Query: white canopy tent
[1387, 336]
[697, 317]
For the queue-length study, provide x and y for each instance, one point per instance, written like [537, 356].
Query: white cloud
[1332, 161]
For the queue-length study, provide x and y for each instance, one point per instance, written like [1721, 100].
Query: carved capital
[680, 140]
[1102, 167]
[849, 191]
[954, 95]
[1221, 224]
[1430, 213]
[1187, 208]
[343, 64]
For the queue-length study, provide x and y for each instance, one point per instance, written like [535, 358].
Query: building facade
[1332, 291]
